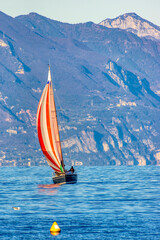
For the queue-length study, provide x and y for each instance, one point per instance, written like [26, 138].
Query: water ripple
[106, 203]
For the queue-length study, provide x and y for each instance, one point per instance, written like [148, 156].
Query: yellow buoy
[55, 229]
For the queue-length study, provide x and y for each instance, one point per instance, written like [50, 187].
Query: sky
[79, 11]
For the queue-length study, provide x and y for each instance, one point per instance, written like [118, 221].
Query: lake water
[106, 203]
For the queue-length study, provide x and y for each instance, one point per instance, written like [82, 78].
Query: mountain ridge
[104, 41]
[135, 24]
[111, 112]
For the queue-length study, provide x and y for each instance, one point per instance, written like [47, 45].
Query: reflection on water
[48, 189]
[55, 233]
[48, 185]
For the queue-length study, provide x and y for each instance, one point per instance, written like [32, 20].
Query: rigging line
[63, 126]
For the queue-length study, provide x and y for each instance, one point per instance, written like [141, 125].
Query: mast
[54, 120]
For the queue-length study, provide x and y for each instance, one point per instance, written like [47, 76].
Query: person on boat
[71, 169]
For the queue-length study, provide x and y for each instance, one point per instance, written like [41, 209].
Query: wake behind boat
[48, 135]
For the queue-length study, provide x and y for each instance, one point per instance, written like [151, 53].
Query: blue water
[106, 203]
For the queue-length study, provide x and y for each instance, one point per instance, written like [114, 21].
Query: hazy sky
[76, 11]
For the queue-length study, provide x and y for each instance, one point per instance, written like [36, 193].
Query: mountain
[107, 109]
[139, 55]
[133, 23]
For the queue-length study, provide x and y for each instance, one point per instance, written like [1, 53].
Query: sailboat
[49, 137]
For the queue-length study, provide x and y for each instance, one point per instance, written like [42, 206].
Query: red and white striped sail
[47, 127]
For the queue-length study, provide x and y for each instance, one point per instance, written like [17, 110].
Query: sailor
[72, 169]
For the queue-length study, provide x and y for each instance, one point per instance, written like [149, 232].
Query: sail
[47, 127]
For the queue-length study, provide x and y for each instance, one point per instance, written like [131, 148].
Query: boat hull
[69, 178]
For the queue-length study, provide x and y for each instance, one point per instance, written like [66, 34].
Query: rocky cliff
[103, 82]
[133, 23]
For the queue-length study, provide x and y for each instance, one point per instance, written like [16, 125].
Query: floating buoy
[55, 229]
[16, 208]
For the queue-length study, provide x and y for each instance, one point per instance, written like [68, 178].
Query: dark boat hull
[65, 178]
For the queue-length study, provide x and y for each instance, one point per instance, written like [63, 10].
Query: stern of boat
[69, 178]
